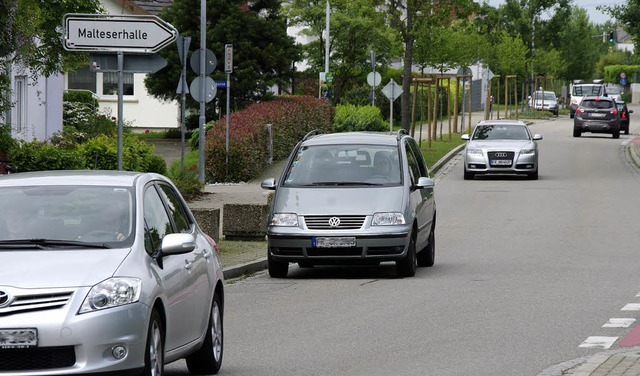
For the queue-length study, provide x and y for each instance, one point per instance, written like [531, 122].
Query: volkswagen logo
[501, 155]
[5, 299]
[334, 222]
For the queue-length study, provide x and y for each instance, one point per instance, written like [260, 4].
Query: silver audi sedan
[501, 147]
[105, 272]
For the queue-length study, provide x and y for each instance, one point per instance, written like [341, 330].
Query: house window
[101, 83]
[21, 102]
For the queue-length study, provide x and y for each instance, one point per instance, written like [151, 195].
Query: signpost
[117, 34]
[392, 91]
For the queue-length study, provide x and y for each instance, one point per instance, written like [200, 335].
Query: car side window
[156, 219]
[414, 170]
[176, 209]
[422, 165]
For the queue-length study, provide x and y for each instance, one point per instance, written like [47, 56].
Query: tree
[356, 29]
[509, 57]
[263, 52]
[30, 35]
[628, 14]
[583, 53]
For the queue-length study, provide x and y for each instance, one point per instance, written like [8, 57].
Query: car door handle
[188, 265]
[207, 255]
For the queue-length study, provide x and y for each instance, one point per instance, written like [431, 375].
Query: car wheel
[576, 132]
[277, 269]
[427, 256]
[533, 175]
[468, 175]
[407, 266]
[626, 130]
[154, 352]
[208, 359]
[616, 133]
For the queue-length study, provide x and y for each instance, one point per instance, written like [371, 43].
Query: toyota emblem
[5, 299]
[334, 222]
[501, 155]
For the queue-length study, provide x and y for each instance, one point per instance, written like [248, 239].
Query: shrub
[291, 118]
[187, 180]
[41, 156]
[358, 118]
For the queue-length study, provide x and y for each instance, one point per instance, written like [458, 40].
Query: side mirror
[537, 137]
[630, 111]
[465, 137]
[269, 184]
[174, 244]
[424, 182]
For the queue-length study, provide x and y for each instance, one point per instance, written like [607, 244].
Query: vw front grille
[334, 222]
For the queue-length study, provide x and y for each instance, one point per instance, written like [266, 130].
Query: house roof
[153, 7]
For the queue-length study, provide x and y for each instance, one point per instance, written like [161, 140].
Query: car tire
[533, 175]
[208, 359]
[427, 256]
[407, 266]
[626, 130]
[154, 349]
[576, 132]
[277, 269]
[616, 133]
[468, 175]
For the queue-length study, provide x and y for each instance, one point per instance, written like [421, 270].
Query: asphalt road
[525, 272]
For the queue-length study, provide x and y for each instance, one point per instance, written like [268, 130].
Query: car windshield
[596, 104]
[500, 132]
[66, 214]
[344, 165]
[613, 90]
[548, 96]
[581, 90]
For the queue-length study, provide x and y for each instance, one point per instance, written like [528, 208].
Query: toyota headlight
[112, 292]
[284, 219]
[387, 219]
[474, 152]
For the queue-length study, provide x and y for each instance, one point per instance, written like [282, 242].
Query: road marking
[632, 338]
[631, 307]
[604, 342]
[619, 323]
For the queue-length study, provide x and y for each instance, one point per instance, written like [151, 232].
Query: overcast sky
[590, 5]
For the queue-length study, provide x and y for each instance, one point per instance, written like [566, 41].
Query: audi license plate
[501, 162]
[18, 338]
[333, 242]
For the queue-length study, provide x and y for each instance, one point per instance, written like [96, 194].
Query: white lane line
[631, 307]
[619, 323]
[638, 295]
[604, 342]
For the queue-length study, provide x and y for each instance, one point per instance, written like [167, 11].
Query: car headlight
[387, 219]
[527, 152]
[474, 152]
[284, 219]
[112, 292]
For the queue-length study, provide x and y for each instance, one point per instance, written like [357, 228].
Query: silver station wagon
[352, 198]
[105, 272]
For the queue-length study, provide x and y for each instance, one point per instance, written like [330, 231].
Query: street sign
[228, 58]
[210, 62]
[374, 79]
[131, 64]
[106, 32]
[210, 89]
[221, 84]
[392, 90]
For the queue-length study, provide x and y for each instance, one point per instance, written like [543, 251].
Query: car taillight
[213, 243]
[581, 110]
[624, 115]
[614, 111]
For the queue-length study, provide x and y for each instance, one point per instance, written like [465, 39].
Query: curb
[242, 269]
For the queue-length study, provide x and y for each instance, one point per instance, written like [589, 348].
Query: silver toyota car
[352, 198]
[105, 272]
[501, 147]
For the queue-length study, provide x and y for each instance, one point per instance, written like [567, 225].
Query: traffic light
[611, 37]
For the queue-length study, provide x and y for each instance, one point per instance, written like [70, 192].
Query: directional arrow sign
[105, 32]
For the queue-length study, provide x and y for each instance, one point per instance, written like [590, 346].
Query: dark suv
[352, 198]
[597, 115]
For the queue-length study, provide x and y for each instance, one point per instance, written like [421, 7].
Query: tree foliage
[628, 14]
[263, 53]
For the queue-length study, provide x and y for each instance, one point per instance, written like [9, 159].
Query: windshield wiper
[48, 243]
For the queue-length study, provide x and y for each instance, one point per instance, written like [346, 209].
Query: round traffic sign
[210, 89]
[374, 79]
[210, 62]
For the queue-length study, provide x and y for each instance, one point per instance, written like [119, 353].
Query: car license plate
[501, 162]
[597, 115]
[333, 242]
[18, 338]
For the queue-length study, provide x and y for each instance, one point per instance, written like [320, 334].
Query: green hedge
[359, 118]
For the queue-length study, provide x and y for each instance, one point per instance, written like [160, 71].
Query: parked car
[352, 198]
[105, 272]
[615, 93]
[544, 101]
[579, 91]
[597, 115]
[624, 112]
[501, 147]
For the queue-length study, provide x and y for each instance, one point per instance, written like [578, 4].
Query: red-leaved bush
[291, 118]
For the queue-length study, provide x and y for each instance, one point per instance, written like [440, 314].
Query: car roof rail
[402, 132]
[314, 132]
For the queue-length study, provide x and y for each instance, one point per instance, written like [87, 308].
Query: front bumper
[486, 164]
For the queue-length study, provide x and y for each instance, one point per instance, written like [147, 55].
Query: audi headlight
[112, 292]
[527, 152]
[474, 152]
[285, 219]
[387, 219]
